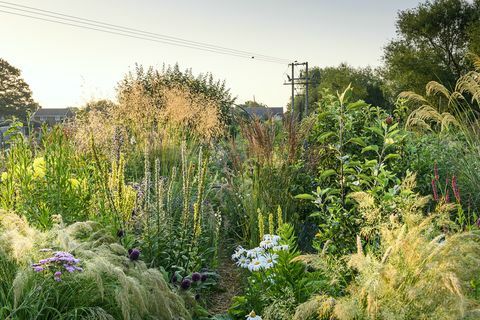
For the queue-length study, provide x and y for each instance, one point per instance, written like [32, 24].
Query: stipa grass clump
[416, 277]
[421, 267]
[110, 287]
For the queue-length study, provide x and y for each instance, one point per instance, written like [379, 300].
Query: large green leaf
[370, 148]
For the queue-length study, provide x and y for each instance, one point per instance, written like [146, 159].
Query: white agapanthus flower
[253, 316]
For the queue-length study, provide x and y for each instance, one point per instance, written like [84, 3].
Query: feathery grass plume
[261, 224]
[416, 278]
[319, 307]
[193, 111]
[260, 137]
[110, 287]
[271, 224]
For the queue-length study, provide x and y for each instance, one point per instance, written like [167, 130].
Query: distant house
[265, 113]
[52, 116]
[4, 127]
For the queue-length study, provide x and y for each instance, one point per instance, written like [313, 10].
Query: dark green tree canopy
[366, 83]
[431, 44]
[15, 94]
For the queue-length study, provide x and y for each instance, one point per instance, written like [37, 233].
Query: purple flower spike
[134, 254]
[186, 283]
[204, 277]
[196, 277]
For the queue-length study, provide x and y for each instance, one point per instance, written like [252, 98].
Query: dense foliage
[170, 204]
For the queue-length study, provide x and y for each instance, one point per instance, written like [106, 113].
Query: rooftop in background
[265, 113]
[52, 116]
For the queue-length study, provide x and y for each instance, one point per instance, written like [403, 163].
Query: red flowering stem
[435, 170]
[456, 191]
[434, 188]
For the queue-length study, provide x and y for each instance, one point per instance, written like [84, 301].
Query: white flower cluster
[262, 257]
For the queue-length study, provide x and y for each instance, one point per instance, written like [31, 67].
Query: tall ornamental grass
[112, 285]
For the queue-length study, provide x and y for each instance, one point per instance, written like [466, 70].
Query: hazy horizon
[67, 66]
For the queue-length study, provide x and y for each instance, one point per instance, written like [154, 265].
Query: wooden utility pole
[301, 80]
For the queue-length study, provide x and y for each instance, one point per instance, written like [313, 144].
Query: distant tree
[366, 83]
[432, 42]
[253, 104]
[15, 94]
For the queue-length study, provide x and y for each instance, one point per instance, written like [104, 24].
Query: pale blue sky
[66, 66]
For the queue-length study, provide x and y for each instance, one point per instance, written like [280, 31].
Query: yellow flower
[39, 167]
[389, 141]
[74, 183]
[4, 176]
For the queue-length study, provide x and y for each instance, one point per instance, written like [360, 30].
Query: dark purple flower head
[478, 223]
[120, 233]
[196, 277]
[389, 120]
[174, 278]
[134, 254]
[186, 283]
[204, 277]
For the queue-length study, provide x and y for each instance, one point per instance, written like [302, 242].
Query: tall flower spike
[271, 224]
[279, 216]
[456, 191]
[261, 225]
[434, 189]
[435, 170]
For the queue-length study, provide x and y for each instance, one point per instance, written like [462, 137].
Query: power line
[138, 31]
[132, 33]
